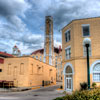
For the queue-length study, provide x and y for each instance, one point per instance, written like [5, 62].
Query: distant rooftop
[5, 55]
[56, 50]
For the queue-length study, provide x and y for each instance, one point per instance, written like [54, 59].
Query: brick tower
[48, 44]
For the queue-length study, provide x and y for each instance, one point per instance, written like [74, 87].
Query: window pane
[36, 57]
[85, 30]
[85, 51]
[69, 83]
[96, 77]
[68, 69]
[97, 68]
[40, 58]
[68, 53]
[67, 36]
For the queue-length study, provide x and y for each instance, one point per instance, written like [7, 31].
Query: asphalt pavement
[46, 93]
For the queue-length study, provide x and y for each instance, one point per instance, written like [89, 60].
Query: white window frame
[68, 52]
[36, 57]
[33, 56]
[97, 73]
[40, 58]
[82, 29]
[67, 35]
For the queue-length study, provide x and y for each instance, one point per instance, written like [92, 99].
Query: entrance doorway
[68, 83]
[68, 77]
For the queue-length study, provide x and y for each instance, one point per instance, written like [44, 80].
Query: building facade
[27, 72]
[3, 55]
[57, 60]
[74, 60]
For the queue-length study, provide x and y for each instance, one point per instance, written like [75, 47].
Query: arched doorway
[68, 77]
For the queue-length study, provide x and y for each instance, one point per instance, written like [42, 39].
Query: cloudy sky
[22, 21]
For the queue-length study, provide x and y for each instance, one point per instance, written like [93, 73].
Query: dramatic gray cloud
[11, 9]
[12, 26]
[63, 11]
[22, 21]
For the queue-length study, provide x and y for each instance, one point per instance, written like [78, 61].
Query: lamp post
[87, 41]
[88, 68]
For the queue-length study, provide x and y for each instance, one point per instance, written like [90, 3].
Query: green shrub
[82, 95]
[94, 85]
[84, 86]
[59, 98]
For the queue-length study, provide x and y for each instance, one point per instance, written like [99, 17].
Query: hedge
[82, 95]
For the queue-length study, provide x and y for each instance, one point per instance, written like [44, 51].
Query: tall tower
[48, 45]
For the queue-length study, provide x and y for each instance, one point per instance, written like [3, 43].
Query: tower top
[49, 17]
[16, 51]
[15, 46]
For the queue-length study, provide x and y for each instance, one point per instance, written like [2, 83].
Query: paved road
[47, 93]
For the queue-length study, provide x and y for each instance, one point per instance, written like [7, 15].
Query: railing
[6, 84]
[45, 83]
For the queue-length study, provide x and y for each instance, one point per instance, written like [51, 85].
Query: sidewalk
[19, 89]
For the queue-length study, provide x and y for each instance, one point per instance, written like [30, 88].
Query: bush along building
[81, 53]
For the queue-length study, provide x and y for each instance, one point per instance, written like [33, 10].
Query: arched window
[40, 58]
[96, 73]
[36, 57]
[84, 47]
[68, 70]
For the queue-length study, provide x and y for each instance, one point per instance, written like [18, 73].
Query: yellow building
[75, 36]
[26, 71]
[57, 59]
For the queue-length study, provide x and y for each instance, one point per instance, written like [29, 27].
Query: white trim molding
[67, 30]
[64, 72]
[92, 65]
[68, 47]
[68, 52]
[85, 25]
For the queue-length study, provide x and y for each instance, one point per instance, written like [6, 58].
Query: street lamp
[87, 42]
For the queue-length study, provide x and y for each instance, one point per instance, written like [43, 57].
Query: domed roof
[15, 46]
